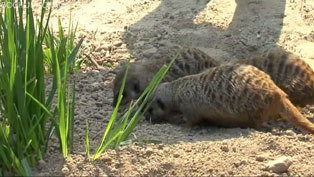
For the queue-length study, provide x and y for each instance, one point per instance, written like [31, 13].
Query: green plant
[115, 136]
[65, 41]
[25, 119]
[65, 107]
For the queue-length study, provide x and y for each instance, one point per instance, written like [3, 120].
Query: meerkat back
[293, 75]
[189, 61]
[228, 96]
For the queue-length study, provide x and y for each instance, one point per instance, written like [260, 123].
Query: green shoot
[123, 128]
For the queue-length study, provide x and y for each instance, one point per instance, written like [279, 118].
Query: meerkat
[228, 96]
[190, 61]
[290, 73]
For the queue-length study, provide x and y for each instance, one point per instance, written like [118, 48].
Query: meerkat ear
[119, 68]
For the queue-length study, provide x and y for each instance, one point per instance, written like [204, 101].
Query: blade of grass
[86, 140]
[123, 125]
[145, 104]
[71, 137]
[114, 114]
[120, 132]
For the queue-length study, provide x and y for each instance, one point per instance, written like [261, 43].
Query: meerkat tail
[293, 115]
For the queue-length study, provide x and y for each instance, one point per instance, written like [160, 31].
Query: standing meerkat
[228, 96]
[190, 61]
[290, 73]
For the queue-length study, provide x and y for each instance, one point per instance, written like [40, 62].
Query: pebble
[117, 43]
[279, 165]
[290, 133]
[65, 170]
[95, 96]
[149, 151]
[261, 158]
[41, 164]
[99, 49]
[224, 148]
[107, 53]
[149, 52]
[176, 155]
[98, 116]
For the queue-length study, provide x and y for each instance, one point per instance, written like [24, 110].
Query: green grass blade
[123, 125]
[96, 155]
[114, 114]
[40, 104]
[71, 137]
[86, 139]
[26, 167]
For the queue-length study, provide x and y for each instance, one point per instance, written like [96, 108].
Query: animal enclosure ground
[226, 30]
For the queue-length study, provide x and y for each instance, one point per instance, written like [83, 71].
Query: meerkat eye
[136, 88]
[160, 104]
[150, 110]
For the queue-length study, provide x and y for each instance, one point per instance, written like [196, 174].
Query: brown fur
[227, 95]
[190, 61]
[290, 73]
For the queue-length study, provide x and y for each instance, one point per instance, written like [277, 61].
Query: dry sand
[226, 30]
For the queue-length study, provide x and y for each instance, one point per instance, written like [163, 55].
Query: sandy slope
[225, 29]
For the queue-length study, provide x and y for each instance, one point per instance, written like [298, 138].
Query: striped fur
[190, 61]
[293, 75]
[227, 95]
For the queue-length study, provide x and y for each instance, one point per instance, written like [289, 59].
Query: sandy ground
[226, 30]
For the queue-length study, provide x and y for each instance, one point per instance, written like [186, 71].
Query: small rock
[290, 133]
[261, 158]
[139, 44]
[98, 116]
[176, 155]
[99, 49]
[107, 53]
[117, 43]
[149, 151]
[239, 163]
[106, 46]
[95, 96]
[160, 146]
[224, 148]
[107, 160]
[41, 164]
[279, 165]
[149, 52]
[65, 170]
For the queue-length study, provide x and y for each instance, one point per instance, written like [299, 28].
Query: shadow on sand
[255, 26]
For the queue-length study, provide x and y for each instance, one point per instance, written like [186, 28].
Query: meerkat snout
[161, 105]
[132, 89]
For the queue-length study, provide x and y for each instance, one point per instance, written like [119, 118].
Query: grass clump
[24, 109]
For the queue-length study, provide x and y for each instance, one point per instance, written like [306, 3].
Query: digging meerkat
[290, 73]
[228, 96]
[190, 61]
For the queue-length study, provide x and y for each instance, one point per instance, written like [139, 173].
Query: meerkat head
[161, 107]
[134, 85]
